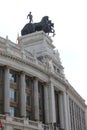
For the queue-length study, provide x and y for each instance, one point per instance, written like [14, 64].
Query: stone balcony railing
[21, 123]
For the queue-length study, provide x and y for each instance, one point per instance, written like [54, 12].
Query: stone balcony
[15, 123]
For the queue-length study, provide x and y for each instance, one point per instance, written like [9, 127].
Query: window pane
[12, 94]
[28, 82]
[28, 115]
[12, 111]
[16, 129]
[1, 74]
[13, 76]
[1, 93]
[0, 108]
[28, 99]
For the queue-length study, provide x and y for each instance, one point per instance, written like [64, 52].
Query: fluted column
[52, 111]
[6, 91]
[36, 99]
[46, 104]
[23, 95]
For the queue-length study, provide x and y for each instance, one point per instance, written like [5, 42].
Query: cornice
[35, 65]
[24, 61]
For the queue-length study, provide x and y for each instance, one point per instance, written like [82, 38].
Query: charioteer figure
[30, 17]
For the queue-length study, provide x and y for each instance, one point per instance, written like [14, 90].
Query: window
[12, 111]
[1, 75]
[16, 129]
[13, 76]
[1, 92]
[40, 87]
[28, 115]
[28, 99]
[12, 94]
[54, 68]
[28, 82]
[58, 70]
[1, 108]
[40, 103]
[41, 117]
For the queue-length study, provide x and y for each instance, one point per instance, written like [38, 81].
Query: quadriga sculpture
[45, 24]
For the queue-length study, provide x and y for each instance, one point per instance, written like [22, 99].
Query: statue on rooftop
[45, 25]
[30, 17]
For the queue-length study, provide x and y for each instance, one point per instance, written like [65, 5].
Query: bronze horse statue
[45, 25]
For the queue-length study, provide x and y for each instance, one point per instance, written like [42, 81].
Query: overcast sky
[70, 20]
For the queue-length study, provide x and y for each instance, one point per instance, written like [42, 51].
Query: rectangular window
[28, 99]
[40, 87]
[16, 129]
[1, 108]
[58, 70]
[1, 75]
[1, 92]
[16, 96]
[41, 117]
[40, 103]
[12, 97]
[28, 115]
[28, 82]
[13, 76]
[12, 111]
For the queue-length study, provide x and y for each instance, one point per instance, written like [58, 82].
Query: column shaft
[23, 95]
[52, 111]
[61, 109]
[68, 112]
[6, 91]
[46, 105]
[65, 111]
[36, 100]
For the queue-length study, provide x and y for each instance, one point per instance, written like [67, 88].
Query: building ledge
[21, 122]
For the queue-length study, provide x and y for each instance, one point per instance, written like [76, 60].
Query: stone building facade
[34, 93]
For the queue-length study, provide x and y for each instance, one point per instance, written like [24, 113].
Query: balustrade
[23, 122]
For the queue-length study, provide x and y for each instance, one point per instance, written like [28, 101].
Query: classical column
[36, 99]
[68, 111]
[6, 91]
[23, 95]
[46, 104]
[61, 109]
[65, 111]
[85, 118]
[52, 111]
